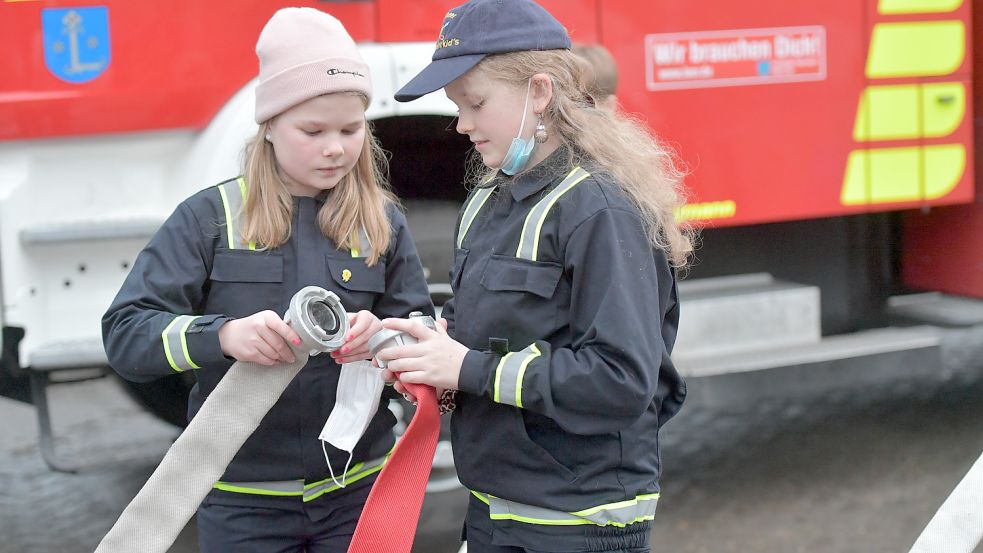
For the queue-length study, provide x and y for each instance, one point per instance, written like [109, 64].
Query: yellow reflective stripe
[179, 359]
[228, 217]
[362, 247]
[354, 239]
[541, 521]
[620, 514]
[471, 210]
[233, 200]
[349, 478]
[167, 345]
[509, 373]
[228, 487]
[367, 468]
[888, 175]
[891, 7]
[521, 372]
[498, 376]
[916, 49]
[243, 193]
[297, 488]
[529, 239]
[909, 111]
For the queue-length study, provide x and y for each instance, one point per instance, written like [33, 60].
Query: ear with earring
[542, 135]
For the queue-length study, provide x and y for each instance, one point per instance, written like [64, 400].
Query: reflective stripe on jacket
[196, 273]
[570, 315]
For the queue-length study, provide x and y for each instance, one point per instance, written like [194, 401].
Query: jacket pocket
[357, 284]
[244, 283]
[247, 267]
[517, 301]
[511, 274]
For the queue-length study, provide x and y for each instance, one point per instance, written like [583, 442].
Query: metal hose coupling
[318, 318]
[387, 337]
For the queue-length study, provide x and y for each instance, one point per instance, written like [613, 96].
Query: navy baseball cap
[479, 28]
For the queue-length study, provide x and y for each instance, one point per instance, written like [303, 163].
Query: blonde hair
[639, 163]
[359, 201]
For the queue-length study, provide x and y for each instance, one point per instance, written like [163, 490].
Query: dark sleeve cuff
[203, 345]
[477, 372]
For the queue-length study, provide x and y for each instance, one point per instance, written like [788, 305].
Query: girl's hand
[434, 360]
[361, 327]
[260, 338]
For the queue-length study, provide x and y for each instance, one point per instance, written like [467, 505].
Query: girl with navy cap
[556, 345]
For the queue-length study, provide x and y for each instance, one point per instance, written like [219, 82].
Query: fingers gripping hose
[230, 414]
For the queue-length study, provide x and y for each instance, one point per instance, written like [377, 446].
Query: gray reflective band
[297, 488]
[529, 239]
[176, 344]
[471, 211]
[508, 375]
[284, 488]
[622, 513]
[363, 248]
[233, 197]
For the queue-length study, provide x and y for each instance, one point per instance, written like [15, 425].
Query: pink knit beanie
[304, 53]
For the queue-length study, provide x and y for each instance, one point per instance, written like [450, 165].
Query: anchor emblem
[76, 42]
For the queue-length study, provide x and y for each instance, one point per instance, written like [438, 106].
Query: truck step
[68, 354]
[86, 231]
[937, 308]
[892, 349]
[743, 313]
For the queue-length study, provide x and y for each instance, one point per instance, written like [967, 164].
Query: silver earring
[269, 137]
[542, 135]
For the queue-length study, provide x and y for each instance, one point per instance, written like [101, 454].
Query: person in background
[312, 208]
[602, 84]
[558, 337]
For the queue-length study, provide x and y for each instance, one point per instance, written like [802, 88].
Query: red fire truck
[829, 147]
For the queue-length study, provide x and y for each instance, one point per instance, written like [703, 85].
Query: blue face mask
[519, 151]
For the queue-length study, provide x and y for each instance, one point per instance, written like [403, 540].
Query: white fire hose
[957, 526]
[230, 414]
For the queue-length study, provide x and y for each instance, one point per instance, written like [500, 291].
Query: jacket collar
[537, 178]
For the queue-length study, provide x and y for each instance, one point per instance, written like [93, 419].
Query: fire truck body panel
[729, 86]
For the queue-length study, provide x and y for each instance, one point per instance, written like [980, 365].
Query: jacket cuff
[477, 371]
[202, 337]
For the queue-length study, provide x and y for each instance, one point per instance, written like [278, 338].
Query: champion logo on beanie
[304, 53]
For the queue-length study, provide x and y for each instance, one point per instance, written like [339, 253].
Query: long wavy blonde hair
[359, 201]
[643, 166]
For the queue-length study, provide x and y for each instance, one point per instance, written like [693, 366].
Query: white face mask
[359, 389]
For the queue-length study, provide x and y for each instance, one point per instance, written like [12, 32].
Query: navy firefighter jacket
[570, 314]
[187, 282]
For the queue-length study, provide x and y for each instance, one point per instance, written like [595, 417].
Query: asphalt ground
[747, 468]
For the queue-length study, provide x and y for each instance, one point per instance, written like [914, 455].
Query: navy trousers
[327, 529]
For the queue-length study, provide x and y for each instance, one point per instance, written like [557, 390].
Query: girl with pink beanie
[311, 208]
